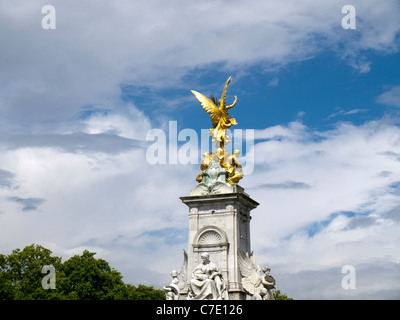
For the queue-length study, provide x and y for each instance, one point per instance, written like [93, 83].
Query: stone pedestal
[220, 225]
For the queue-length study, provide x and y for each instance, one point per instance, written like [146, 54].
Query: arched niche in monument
[213, 240]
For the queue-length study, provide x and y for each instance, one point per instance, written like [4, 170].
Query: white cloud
[390, 97]
[361, 66]
[274, 82]
[292, 130]
[342, 112]
[132, 125]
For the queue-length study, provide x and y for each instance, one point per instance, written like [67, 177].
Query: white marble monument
[219, 264]
[219, 224]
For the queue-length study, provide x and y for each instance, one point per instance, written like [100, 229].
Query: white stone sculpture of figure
[213, 172]
[213, 181]
[173, 290]
[207, 282]
[268, 282]
[259, 287]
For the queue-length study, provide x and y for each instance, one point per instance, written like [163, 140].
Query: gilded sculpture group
[221, 121]
[227, 161]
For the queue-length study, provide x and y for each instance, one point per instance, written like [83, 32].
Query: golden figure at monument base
[220, 121]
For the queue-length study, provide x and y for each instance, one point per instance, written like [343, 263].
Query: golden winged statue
[219, 115]
[218, 111]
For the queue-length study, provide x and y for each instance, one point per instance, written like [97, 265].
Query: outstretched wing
[209, 107]
[250, 271]
[223, 97]
[183, 272]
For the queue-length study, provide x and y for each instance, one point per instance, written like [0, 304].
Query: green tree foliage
[280, 296]
[141, 292]
[82, 277]
[21, 273]
[6, 291]
[88, 278]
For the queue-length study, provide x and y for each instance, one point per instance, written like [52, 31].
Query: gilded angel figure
[219, 115]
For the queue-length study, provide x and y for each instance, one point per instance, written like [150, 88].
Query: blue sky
[77, 102]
